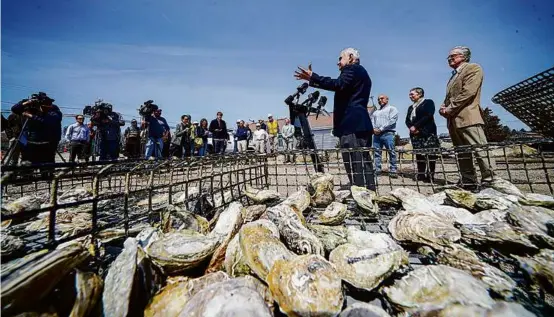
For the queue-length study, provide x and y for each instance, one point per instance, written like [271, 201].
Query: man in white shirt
[78, 136]
[288, 137]
[260, 139]
[384, 131]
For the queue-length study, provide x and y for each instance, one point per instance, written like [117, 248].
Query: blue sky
[198, 57]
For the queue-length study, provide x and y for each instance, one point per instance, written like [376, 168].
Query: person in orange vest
[273, 131]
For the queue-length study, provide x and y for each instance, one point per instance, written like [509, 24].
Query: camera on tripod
[34, 102]
[99, 106]
[147, 108]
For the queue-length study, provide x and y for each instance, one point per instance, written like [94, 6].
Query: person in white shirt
[384, 130]
[78, 136]
[288, 137]
[260, 139]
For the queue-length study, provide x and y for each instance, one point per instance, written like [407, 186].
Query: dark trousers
[77, 148]
[108, 149]
[358, 165]
[38, 153]
[165, 150]
[219, 146]
[132, 148]
[421, 162]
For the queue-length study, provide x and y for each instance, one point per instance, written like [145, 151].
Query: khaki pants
[472, 135]
[289, 146]
[241, 146]
[260, 146]
[271, 140]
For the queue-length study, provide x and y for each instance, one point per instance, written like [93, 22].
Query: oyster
[365, 199]
[462, 198]
[366, 267]
[234, 297]
[437, 198]
[534, 221]
[333, 215]
[297, 237]
[412, 200]
[261, 247]
[299, 201]
[330, 236]
[453, 214]
[22, 204]
[171, 300]
[464, 259]
[498, 233]
[235, 263]
[500, 309]
[158, 201]
[253, 213]
[226, 228]
[68, 222]
[29, 279]
[361, 309]
[307, 285]
[387, 200]
[174, 219]
[341, 195]
[89, 290]
[490, 216]
[10, 246]
[371, 240]
[433, 287]
[540, 268]
[492, 199]
[260, 196]
[187, 195]
[423, 229]
[322, 185]
[147, 236]
[533, 199]
[177, 252]
[506, 187]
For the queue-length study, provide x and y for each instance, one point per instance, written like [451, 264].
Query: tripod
[14, 145]
[302, 111]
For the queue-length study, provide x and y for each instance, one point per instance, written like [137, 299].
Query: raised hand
[303, 74]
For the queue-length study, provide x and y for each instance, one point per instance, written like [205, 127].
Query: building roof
[322, 122]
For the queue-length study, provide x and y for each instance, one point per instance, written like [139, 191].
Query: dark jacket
[182, 134]
[352, 90]
[201, 132]
[110, 130]
[424, 120]
[242, 134]
[221, 132]
[156, 127]
[44, 127]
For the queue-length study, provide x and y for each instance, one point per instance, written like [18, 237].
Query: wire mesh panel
[532, 101]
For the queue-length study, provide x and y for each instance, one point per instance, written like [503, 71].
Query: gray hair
[466, 52]
[419, 91]
[352, 51]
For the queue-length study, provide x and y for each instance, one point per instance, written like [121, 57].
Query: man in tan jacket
[462, 110]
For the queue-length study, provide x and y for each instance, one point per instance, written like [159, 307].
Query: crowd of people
[355, 126]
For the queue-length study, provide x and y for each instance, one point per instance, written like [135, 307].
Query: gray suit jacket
[463, 97]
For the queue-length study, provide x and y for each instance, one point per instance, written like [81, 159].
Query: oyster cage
[102, 201]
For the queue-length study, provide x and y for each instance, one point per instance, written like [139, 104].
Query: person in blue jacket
[351, 121]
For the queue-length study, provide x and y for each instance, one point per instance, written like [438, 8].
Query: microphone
[313, 96]
[302, 88]
[322, 101]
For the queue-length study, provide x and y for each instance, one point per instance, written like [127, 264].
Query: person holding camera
[108, 132]
[158, 129]
[351, 121]
[182, 138]
[42, 130]
[77, 135]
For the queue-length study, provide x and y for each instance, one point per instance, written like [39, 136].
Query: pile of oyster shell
[296, 256]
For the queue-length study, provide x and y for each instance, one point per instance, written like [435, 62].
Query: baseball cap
[258, 125]
[269, 115]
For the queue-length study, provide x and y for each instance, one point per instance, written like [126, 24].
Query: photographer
[43, 130]
[351, 122]
[108, 131]
[157, 130]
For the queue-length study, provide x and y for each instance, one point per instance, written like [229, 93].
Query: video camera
[36, 100]
[99, 106]
[147, 108]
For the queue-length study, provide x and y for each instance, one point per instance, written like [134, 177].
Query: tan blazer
[463, 97]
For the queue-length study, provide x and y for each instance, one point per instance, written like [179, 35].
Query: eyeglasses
[452, 56]
[80, 118]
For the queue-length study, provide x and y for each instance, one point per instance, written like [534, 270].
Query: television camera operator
[156, 127]
[351, 121]
[42, 130]
[108, 131]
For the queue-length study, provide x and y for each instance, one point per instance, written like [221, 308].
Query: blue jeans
[108, 150]
[154, 147]
[202, 150]
[387, 140]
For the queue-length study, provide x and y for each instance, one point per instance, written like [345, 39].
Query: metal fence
[532, 101]
[112, 200]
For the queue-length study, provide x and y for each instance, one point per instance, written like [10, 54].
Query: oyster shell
[534, 221]
[252, 213]
[261, 247]
[177, 252]
[371, 240]
[171, 300]
[147, 236]
[322, 185]
[299, 201]
[437, 198]
[423, 229]
[532, 199]
[174, 219]
[10, 246]
[454, 215]
[27, 280]
[506, 187]
[462, 198]
[341, 195]
[365, 200]
[387, 200]
[330, 236]
[234, 297]
[235, 263]
[365, 267]
[434, 287]
[333, 215]
[500, 309]
[412, 200]
[492, 199]
[89, 290]
[490, 216]
[540, 268]
[227, 226]
[361, 309]
[464, 259]
[260, 196]
[22, 204]
[306, 285]
[297, 237]
[498, 233]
